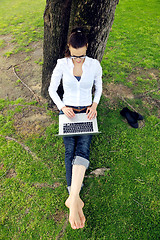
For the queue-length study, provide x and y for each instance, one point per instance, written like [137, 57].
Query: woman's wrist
[68, 111]
[94, 104]
[63, 108]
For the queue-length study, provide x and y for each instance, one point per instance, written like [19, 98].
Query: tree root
[25, 147]
[36, 97]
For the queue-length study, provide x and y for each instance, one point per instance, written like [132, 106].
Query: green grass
[134, 40]
[23, 20]
[123, 204]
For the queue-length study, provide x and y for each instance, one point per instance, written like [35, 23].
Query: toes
[82, 217]
[77, 224]
[76, 216]
[73, 225]
[81, 224]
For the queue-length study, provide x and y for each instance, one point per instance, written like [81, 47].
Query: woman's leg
[80, 164]
[69, 143]
[74, 203]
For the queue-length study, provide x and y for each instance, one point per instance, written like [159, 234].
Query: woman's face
[78, 52]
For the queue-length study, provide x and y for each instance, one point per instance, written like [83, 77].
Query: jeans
[76, 151]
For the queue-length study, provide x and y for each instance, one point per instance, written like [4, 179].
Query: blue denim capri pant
[77, 149]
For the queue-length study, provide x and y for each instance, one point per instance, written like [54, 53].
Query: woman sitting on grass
[79, 74]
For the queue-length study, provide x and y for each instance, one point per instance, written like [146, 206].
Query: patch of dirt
[112, 91]
[11, 173]
[151, 74]
[31, 121]
[58, 218]
[45, 185]
[1, 167]
[28, 71]
[146, 73]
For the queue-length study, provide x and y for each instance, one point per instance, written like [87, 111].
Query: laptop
[77, 125]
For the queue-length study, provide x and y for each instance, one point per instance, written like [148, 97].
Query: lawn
[124, 203]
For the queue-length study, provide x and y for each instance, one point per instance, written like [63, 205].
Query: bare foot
[76, 216]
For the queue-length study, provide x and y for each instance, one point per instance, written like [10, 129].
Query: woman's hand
[68, 111]
[91, 111]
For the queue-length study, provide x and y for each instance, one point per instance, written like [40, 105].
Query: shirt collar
[86, 62]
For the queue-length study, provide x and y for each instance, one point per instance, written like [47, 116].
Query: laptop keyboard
[78, 127]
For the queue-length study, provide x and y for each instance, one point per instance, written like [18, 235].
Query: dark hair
[77, 39]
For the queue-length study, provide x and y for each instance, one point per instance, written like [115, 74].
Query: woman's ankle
[74, 195]
[69, 188]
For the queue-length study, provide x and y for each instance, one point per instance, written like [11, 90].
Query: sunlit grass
[123, 204]
[23, 20]
[134, 40]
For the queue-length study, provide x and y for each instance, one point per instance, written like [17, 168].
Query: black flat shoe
[132, 117]
[136, 115]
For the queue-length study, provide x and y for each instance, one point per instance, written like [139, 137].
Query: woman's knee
[78, 160]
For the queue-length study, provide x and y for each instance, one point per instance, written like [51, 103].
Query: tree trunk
[56, 23]
[61, 16]
[97, 16]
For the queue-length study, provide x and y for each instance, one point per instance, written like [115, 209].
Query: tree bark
[56, 23]
[96, 16]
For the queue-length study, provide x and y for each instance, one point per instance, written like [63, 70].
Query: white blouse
[76, 93]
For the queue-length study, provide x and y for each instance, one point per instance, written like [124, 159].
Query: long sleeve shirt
[76, 93]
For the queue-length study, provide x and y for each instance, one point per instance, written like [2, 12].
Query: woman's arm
[98, 82]
[54, 84]
[91, 111]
